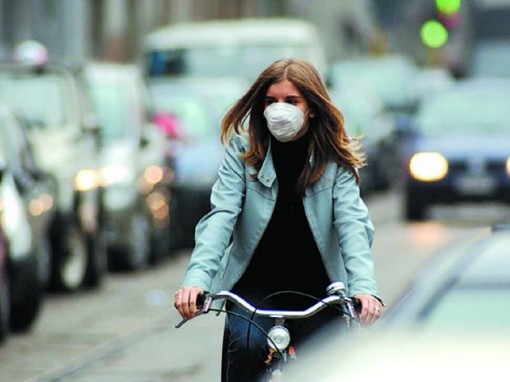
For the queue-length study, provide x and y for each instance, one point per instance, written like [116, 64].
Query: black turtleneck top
[287, 257]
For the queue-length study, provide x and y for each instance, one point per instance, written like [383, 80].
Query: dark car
[458, 151]
[63, 132]
[26, 210]
[134, 176]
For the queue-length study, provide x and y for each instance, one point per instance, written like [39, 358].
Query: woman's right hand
[186, 301]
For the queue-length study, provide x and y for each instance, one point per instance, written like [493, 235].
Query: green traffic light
[433, 34]
[448, 7]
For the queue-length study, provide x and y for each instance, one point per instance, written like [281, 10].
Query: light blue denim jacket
[226, 238]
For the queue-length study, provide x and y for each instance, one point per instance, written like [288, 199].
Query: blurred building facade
[111, 30]
[76, 30]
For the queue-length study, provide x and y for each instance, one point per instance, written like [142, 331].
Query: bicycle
[281, 349]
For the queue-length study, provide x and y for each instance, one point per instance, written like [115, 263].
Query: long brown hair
[329, 140]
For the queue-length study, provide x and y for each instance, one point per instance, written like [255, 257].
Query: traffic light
[448, 12]
[435, 31]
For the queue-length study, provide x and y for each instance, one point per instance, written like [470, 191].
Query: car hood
[460, 147]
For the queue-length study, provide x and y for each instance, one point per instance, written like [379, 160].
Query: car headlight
[508, 166]
[86, 180]
[117, 174]
[428, 167]
[152, 175]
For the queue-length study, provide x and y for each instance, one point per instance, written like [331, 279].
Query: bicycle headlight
[279, 336]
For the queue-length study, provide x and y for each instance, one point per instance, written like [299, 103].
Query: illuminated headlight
[117, 174]
[508, 166]
[40, 205]
[153, 174]
[279, 336]
[87, 179]
[428, 167]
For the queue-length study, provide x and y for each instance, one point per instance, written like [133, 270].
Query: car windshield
[200, 105]
[228, 60]
[464, 115]
[199, 118]
[42, 100]
[117, 116]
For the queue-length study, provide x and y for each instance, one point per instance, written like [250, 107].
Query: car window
[470, 308]
[232, 60]
[117, 114]
[14, 144]
[42, 100]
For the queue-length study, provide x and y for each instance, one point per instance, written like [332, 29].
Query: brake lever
[204, 302]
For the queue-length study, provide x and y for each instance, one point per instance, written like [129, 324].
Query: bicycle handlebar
[338, 298]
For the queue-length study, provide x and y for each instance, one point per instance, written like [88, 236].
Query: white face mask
[284, 120]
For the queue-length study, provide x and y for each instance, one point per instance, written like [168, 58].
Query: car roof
[204, 33]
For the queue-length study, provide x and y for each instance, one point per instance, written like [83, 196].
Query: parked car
[133, 168]
[365, 116]
[453, 320]
[63, 132]
[197, 106]
[26, 212]
[458, 151]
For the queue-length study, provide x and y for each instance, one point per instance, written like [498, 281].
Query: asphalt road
[125, 332]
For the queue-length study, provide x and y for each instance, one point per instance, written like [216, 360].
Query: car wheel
[70, 265]
[136, 253]
[97, 264]
[44, 261]
[26, 307]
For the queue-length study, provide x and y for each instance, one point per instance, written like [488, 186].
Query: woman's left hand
[370, 308]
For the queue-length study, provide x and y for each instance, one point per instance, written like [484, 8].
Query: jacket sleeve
[214, 231]
[355, 234]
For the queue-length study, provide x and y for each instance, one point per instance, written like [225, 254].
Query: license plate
[476, 185]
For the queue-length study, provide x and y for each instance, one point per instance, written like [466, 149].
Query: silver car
[133, 171]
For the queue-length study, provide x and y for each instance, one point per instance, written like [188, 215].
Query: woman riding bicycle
[286, 213]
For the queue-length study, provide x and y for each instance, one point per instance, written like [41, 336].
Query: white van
[242, 47]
